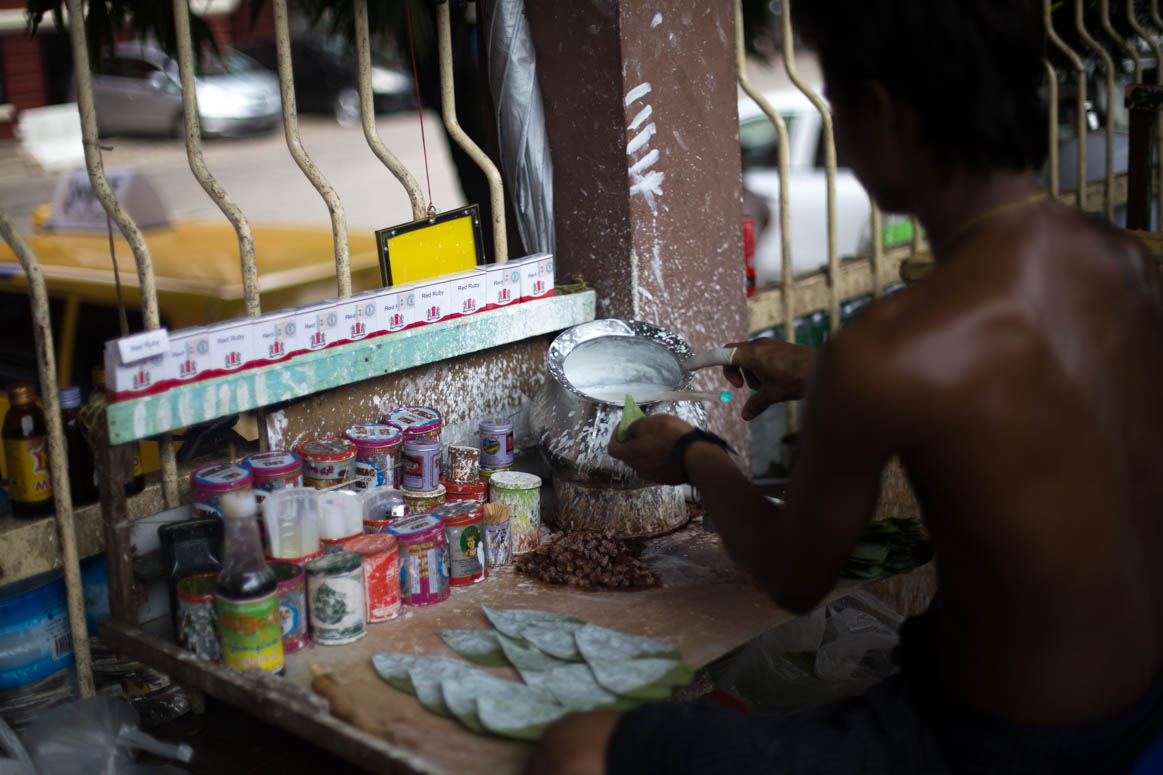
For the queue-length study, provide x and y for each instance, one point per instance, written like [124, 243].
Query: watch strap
[678, 452]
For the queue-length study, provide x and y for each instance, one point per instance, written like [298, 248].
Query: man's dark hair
[972, 70]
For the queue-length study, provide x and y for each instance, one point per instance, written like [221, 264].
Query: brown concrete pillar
[640, 102]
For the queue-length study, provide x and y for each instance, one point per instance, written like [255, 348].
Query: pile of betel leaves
[566, 665]
[895, 545]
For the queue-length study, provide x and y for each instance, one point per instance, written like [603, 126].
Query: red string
[419, 106]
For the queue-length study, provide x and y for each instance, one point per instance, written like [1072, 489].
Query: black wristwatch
[684, 441]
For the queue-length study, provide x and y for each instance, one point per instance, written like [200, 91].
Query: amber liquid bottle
[82, 476]
[26, 454]
[136, 484]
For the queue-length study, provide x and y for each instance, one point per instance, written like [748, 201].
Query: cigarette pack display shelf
[308, 373]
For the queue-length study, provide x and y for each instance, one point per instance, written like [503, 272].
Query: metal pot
[573, 418]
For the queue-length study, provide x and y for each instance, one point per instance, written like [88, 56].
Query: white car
[808, 193]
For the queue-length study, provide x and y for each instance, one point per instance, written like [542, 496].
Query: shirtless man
[1018, 384]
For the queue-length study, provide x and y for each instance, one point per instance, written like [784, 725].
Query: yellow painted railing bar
[1080, 122]
[198, 164]
[876, 224]
[59, 472]
[96, 170]
[1052, 105]
[368, 113]
[458, 135]
[1104, 10]
[295, 145]
[1109, 68]
[829, 141]
[787, 272]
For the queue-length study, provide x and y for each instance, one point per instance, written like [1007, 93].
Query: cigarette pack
[502, 284]
[468, 291]
[397, 307]
[359, 317]
[191, 354]
[320, 322]
[537, 276]
[434, 300]
[277, 336]
[231, 346]
[138, 378]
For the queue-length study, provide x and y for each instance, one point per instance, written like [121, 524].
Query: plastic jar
[327, 461]
[209, 483]
[381, 507]
[377, 448]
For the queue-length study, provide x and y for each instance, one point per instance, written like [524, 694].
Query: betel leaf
[462, 692]
[426, 676]
[512, 621]
[517, 715]
[393, 668]
[527, 658]
[575, 687]
[476, 645]
[596, 642]
[630, 415]
[555, 638]
[645, 678]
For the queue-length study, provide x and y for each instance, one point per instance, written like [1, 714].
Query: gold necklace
[993, 212]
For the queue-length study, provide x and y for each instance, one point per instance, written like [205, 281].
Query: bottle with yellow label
[26, 454]
[247, 600]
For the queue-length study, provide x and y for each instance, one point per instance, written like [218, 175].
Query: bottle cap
[70, 397]
[239, 504]
[21, 395]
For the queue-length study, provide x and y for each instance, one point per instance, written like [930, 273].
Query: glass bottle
[82, 476]
[249, 625]
[26, 454]
[137, 483]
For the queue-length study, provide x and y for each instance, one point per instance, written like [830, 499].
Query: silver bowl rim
[637, 329]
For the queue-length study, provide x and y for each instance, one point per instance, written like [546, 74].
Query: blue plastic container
[34, 630]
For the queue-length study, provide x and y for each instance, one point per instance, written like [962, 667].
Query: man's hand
[775, 369]
[648, 450]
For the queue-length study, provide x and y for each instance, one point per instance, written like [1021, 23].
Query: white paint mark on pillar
[641, 139]
[276, 425]
[657, 20]
[682, 143]
[639, 91]
[643, 164]
[642, 116]
[649, 184]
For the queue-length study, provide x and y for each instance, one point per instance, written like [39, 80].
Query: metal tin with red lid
[381, 574]
[327, 461]
[464, 530]
[274, 470]
[416, 422]
[377, 447]
[423, 559]
[209, 483]
[466, 491]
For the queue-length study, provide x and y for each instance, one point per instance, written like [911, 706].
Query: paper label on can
[251, 633]
[27, 466]
[467, 550]
[291, 611]
[337, 612]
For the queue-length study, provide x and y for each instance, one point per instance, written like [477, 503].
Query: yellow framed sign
[431, 247]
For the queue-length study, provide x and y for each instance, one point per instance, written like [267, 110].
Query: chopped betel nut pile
[587, 559]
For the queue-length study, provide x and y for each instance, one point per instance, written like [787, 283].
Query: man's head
[957, 80]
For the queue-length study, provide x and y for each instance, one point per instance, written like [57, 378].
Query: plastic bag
[836, 651]
[97, 736]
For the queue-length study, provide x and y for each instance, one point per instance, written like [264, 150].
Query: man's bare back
[1026, 369]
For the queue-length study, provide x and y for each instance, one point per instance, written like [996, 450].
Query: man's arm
[796, 552]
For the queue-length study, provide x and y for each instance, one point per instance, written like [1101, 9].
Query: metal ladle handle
[720, 356]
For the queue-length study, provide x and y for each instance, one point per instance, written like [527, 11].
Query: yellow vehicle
[196, 267]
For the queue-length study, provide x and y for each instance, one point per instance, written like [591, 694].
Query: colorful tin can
[198, 616]
[292, 592]
[209, 483]
[336, 613]
[327, 461]
[466, 541]
[464, 464]
[496, 442]
[381, 507]
[421, 465]
[340, 518]
[424, 501]
[466, 491]
[498, 549]
[423, 559]
[376, 450]
[381, 574]
[250, 632]
[522, 493]
[273, 471]
[487, 472]
[416, 422]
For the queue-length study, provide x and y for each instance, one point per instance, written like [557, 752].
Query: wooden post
[641, 112]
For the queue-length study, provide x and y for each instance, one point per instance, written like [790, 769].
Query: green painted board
[309, 373]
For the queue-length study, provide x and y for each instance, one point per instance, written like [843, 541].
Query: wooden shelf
[303, 375]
